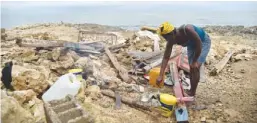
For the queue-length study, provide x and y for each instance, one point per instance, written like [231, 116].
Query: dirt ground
[230, 96]
[230, 100]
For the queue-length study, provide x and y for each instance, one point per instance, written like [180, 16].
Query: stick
[218, 67]
[144, 55]
[92, 42]
[153, 55]
[118, 46]
[118, 100]
[78, 46]
[159, 61]
[128, 101]
[90, 51]
[178, 90]
[122, 71]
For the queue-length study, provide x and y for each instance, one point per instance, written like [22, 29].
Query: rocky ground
[230, 96]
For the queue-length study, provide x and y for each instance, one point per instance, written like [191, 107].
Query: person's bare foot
[187, 93]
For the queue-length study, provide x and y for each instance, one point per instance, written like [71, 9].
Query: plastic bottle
[153, 75]
[66, 84]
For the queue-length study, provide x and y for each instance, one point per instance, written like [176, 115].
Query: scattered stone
[232, 113]
[148, 49]
[199, 107]
[26, 78]
[93, 91]
[210, 121]
[242, 70]
[22, 96]
[81, 62]
[245, 56]
[81, 94]
[203, 120]
[219, 104]
[74, 55]
[12, 112]
[93, 57]
[138, 88]
[63, 64]
[97, 63]
[56, 54]
[29, 56]
[237, 76]
[38, 111]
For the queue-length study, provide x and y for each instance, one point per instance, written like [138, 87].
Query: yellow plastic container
[168, 103]
[77, 72]
[153, 75]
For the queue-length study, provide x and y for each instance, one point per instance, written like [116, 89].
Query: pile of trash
[37, 69]
[42, 68]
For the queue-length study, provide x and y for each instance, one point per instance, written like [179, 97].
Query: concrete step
[64, 106]
[70, 114]
[66, 110]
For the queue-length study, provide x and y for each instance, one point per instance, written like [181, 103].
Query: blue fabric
[201, 34]
[206, 45]
[181, 114]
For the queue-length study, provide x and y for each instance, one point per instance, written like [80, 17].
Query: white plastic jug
[66, 84]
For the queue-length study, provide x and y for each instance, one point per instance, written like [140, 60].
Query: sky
[128, 13]
[213, 4]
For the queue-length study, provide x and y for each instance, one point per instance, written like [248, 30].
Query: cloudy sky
[129, 13]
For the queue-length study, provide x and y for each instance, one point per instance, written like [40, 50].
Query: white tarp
[152, 36]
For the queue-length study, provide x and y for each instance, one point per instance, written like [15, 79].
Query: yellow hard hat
[167, 28]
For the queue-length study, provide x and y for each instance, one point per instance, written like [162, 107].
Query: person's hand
[194, 66]
[159, 80]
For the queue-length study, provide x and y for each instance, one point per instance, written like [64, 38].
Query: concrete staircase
[66, 110]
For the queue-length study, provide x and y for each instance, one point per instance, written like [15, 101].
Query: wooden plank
[49, 44]
[85, 43]
[144, 55]
[128, 101]
[154, 54]
[54, 44]
[78, 46]
[181, 110]
[122, 71]
[218, 67]
[177, 85]
[90, 51]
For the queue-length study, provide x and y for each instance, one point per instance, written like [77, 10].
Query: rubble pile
[36, 69]
[249, 32]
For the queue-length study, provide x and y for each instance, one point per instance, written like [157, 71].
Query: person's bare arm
[195, 37]
[194, 67]
[166, 57]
